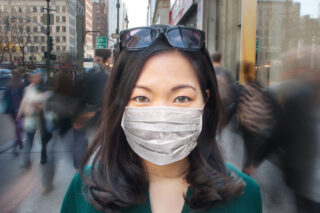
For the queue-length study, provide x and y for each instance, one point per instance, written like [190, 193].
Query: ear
[207, 94]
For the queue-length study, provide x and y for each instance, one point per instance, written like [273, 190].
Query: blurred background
[56, 57]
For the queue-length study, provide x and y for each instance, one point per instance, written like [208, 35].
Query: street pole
[118, 7]
[48, 42]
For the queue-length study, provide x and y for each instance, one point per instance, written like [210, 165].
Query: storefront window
[284, 26]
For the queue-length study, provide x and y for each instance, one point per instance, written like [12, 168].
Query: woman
[32, 109]
[155, 150]
[12, 97]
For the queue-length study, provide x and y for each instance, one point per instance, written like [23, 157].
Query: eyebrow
[183, 87]
[142, 87]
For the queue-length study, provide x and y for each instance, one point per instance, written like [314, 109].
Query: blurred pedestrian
[12, 98]
[257, 116]
[155, 150]
[31, 109]
[296, 139]
[226, 87]
[58, 111]
[90, 89]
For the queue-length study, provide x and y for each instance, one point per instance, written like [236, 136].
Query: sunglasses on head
[180, 37]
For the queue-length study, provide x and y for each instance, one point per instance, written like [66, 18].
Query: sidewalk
[7, 133]
[276, 196]
[21, 190]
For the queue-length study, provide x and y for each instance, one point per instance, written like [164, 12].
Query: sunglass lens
[184, 38]
[138, 38]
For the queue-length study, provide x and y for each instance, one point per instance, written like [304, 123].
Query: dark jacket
[12, 98]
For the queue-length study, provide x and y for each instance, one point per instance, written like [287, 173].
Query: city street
[21, 190]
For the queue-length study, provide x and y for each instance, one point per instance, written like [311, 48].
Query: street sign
[101, 42]
[44, 18]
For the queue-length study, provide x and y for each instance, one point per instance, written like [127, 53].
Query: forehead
[168, 68]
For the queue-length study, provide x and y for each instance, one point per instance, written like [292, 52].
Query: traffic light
[50, 47]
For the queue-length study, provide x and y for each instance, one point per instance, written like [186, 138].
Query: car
[5, 75]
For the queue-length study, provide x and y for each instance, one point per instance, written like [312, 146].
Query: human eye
[141, 99]
[182, 99]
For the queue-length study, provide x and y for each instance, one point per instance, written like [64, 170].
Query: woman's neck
[174, 170]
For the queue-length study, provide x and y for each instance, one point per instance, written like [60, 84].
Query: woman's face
[167, 79]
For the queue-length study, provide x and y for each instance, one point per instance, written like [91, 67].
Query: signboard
[44, 18]
[178, 10]
[101, 42]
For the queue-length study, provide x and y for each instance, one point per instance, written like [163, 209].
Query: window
[64, 48]
[20, 10]
[58, 29]
[35, 39]
[58, 19]
[58, 48]
[64, 9]
[34, 9]
[42, 21]
[58, 38]
[64, 39]
[57, 9]
[64, 29]
[43, 48]
[64, 19]
[43, 39]
[35, 29]
[28, 29]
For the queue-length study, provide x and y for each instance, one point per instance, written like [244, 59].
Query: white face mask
[162, 135]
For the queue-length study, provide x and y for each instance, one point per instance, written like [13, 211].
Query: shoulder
[250, 200]
[75, 199]
[251, 186]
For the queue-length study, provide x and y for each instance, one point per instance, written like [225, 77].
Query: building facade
[253, 31]
[27, 40]
[88, 42]
[100, 19]
[158, 11]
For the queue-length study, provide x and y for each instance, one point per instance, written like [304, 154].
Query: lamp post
[49, 41]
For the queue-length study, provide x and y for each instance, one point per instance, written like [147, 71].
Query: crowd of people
[279, 122]
[67, 103]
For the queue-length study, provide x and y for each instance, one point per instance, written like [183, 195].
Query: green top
[248, 202]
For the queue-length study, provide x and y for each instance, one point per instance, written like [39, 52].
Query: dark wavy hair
[117, 178]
